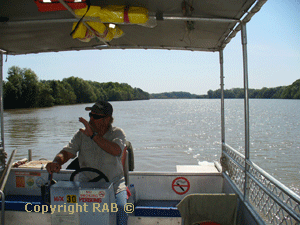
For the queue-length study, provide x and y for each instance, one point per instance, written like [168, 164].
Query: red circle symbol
[181, 185]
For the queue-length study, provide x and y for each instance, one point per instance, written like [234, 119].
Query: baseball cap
[101, 107]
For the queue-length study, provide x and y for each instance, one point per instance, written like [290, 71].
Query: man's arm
[61, 158]
[108, 146]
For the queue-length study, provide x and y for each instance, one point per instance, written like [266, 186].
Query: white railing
[274, 202]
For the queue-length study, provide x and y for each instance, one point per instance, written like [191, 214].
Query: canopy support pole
[96, 19]
[246, 110]
[222, 98]
[1, 111]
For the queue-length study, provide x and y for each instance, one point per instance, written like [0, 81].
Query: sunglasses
[96, 117]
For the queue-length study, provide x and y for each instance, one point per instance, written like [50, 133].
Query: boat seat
[124, 159]
[218, 208]
[157, 208]
[24, 203]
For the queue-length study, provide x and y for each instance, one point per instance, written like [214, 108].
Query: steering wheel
[89, 169]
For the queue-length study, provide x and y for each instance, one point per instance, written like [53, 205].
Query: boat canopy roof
[198, 25]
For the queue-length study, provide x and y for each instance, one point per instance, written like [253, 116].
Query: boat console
[83, 203]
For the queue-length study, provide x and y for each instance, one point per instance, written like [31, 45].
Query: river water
[166, 133]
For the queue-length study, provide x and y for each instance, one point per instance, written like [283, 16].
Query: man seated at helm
[99, 145]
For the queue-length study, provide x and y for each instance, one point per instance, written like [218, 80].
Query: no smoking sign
[181, 185]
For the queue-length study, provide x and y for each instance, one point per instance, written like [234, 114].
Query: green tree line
[174, 94]
[283, 92]
[24, 90]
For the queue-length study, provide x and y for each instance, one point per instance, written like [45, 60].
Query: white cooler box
[83, 203]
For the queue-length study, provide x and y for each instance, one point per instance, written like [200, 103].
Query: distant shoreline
[23, 89]
[283, 92]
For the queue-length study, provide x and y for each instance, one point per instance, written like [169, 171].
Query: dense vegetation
[24, 90]
[283, 92]
[175, 94]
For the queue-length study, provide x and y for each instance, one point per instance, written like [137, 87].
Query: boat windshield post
[222, 98]
[1, 112]
[246, 110]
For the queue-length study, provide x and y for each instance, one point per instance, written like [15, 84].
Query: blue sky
[273, 57]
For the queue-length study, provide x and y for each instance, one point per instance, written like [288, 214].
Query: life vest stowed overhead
[109, 14]
[100, 30]
[116, 14]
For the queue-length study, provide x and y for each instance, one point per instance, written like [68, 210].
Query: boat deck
[156, 194]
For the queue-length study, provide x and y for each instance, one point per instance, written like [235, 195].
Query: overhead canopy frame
[24, 30]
